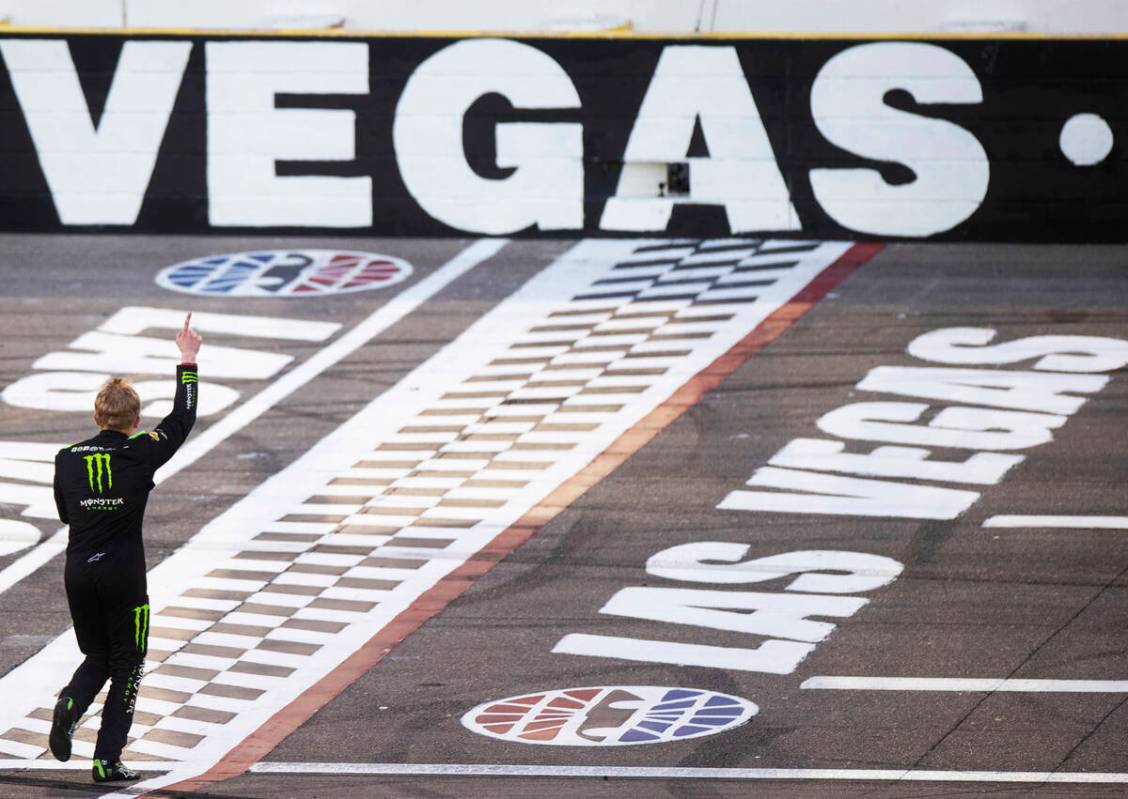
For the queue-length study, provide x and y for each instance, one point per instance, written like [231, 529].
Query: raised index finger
[187, 320]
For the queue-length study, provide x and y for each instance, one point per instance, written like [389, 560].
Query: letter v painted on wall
[97, 174]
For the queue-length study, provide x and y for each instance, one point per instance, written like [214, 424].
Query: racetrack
[423, 499]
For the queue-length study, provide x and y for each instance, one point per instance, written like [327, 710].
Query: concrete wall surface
[645, 16]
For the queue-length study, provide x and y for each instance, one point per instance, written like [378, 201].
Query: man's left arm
[174, 428]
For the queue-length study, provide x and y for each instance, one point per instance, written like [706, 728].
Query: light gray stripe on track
[380, 320]
[626, 772]
[988, 685]
[676, 773]
[1073, 522]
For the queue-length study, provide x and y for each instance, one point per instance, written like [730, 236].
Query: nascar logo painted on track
[619, 715]
[284, 273]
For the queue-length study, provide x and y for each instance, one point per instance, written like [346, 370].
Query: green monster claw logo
[188, 379]
[141, 626]
[97, 465]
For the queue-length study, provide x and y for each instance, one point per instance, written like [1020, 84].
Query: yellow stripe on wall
[622, 32]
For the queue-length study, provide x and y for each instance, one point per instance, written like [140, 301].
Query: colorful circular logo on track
[284, 273]
[618, 715]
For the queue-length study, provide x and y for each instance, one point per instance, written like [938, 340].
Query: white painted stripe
[17, 749]
[158, 644]
[156, 680]
[988, 685]
[1079, 522]
[209, 702]
[34, 558]
[141, 319]
[155, 749]
[380, 320]
[227, 584]
[158, 706]
[321, 528]
[36, 725]
[675, 772]
[192, 726]
[199, 661]
[302, 578]
[254, 619]
[272, 597]
[178, 623]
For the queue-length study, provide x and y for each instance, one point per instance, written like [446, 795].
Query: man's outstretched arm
[174, 428]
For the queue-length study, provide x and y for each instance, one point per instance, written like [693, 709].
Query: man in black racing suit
[101, 488]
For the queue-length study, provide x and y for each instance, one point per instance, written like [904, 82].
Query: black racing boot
[63, 723]
[105, 771]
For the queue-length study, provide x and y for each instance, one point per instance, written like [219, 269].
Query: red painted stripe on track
[259, 743]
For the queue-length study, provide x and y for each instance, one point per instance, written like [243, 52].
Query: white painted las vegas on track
[562, 387]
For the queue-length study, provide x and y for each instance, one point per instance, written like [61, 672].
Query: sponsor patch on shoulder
[155, 436]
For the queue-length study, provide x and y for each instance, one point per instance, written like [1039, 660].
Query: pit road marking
[966, 684]
[1052, 522]
[637, 772]
[677, 773]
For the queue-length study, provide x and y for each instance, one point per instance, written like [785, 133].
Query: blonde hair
[117, 406]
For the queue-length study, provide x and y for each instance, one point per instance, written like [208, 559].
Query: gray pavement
[972, 602]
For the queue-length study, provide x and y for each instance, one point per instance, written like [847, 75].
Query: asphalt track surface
[1021, 603]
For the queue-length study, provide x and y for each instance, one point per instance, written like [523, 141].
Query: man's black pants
[110, 610]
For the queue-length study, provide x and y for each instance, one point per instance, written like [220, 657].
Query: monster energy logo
[97, 465]
[141, 626]
[188, 377]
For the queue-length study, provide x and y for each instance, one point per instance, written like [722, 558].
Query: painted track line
[1072, 522]
[258, 744]
[380, 320]
[627, 772]
[988, 685]
[678, 773]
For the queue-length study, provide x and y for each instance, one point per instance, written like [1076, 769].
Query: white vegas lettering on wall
[997, 411]
[792, 621]
[99, 172]
[546, 190]
[69, 379]
[949, 164]
[701, 84]
[247, 134]
[96, 174]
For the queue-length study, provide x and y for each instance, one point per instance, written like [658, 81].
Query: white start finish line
[967, 684]
[275, 593]
[678, 773]
[632, 772]
[1052, 522]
